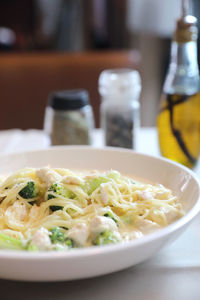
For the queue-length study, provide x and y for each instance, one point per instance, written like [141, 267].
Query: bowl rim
[101, 250]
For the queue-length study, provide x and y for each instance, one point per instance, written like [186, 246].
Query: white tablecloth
[173, 274]
[18, 140]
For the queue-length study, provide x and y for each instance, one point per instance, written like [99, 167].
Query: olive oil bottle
[178, 120]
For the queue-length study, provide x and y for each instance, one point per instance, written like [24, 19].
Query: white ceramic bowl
[83, 263]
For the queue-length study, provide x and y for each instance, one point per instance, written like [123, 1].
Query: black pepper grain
[119, 131]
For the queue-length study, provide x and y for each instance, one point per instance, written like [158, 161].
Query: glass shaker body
[70, 124]
[120, 108]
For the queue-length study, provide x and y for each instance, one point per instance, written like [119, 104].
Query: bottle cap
[120, 82]
[186, 29]
[68, 99]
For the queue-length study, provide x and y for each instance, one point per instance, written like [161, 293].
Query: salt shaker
[120, 91]
[69, 118]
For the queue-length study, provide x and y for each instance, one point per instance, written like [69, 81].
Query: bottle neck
[183, 74]
[184, 55]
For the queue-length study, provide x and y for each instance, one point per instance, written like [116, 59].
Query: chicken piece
[72, 180]
[41, 239]
[79, 234]
[48, 176]
[100, 224]
[146, 226]
[145, 195]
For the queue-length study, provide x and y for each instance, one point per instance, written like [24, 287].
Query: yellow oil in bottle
[178, 126]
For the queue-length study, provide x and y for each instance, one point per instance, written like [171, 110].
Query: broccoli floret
[105, 238]
[59, 190]
[29, 191]
[110, 215]
[69, 243]
[56, 189]
[8, 242]
[59, 237]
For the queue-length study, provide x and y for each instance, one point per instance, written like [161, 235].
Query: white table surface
[172, 274]
[18, 140]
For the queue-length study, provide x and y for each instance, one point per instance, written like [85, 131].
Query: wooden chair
[26, 80]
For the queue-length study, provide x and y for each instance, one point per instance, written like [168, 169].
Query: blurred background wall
[81, 25]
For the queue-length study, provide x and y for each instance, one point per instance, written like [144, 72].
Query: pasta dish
[59, 209]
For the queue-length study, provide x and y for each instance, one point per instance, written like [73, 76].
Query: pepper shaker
[69, 118]
[120, 91]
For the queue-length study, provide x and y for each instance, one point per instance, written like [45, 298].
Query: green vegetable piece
[56, 188]
[7, 242]
[31, 247]
[65, 228]
[69, 194]
[113, 175]
[57, 235]
[110, 215]
[56, 207]
[93, 184]
[29, 191]
[60, 190]
[69, 243]
[50, 196]
[105, 238]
